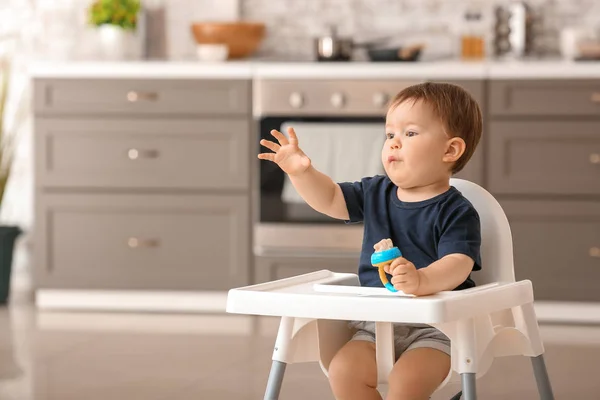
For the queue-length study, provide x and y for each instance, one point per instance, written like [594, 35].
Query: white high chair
[494, 319]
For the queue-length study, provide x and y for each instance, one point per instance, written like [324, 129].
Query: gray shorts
[406, 336]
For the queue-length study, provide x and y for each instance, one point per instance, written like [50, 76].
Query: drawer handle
[595, 97]
[135, 243]
[135, 154]
[595, 158]
[595, 252]
[134, 96]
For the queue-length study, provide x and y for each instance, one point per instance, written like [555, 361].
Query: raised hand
[287, 154]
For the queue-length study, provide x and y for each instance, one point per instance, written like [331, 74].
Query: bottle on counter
[155, 30]
[473, 36]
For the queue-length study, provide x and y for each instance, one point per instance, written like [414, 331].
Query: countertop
[298, 70]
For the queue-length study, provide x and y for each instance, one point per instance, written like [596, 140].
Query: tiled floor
[60, 356]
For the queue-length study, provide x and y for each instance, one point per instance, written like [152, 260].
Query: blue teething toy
[380, 258]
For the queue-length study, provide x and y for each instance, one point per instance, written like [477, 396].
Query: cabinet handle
[134, 96]
[595, 97]
[135, 154]
[136, 243]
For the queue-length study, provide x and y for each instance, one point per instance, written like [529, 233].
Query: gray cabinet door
[141, 96]
[545, 97]
[269, 268]
[129, 153]
[557, 247]
[537, 157]
[142, 242]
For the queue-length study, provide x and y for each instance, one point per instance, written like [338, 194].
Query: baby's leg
[353, 372]
[418, 373]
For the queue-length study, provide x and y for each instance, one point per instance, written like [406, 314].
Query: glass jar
[473, 36]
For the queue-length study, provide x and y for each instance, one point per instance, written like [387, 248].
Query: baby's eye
[389, 135]
[411, 133]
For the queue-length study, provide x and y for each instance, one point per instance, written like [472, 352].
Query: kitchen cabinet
[545, 98]
[142, 184]
[545, 157]
[557, 247]
[144, 97]
[143, 242]
[184, 153]
[147, 184]
[543, 166]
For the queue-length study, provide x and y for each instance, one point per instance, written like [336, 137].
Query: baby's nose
[395, 146]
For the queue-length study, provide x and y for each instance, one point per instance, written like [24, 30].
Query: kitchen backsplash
[293, 23]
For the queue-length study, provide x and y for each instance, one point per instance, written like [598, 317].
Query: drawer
[183, 153]
[545, 97]
[140, 96]
[270, 268]
[544, 157]
[150, 242]
[557, 247]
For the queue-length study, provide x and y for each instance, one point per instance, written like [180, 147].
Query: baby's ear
[455, 148]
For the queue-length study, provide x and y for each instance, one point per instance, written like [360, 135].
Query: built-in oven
[340, 126]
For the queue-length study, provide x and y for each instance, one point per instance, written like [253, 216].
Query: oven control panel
[325, 97]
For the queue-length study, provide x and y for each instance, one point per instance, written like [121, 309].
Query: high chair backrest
[496, 238]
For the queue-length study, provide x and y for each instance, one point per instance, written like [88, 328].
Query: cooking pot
[335, 48]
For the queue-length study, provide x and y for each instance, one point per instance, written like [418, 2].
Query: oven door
[346, 149]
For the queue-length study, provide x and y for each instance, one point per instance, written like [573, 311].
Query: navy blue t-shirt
[424, 231]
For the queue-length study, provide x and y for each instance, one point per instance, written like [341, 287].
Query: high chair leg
[468, 386]
[281, 356]
[275, 380]
[541, 378]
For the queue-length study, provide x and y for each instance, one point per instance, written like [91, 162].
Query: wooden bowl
[242, 38]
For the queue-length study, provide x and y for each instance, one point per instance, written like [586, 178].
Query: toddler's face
[415, 145]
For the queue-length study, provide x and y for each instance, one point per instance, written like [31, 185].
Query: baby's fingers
[280, 137]
[270, 145]
[267, 156]
[292, 135]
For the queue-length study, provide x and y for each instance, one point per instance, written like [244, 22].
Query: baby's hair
[454, 106]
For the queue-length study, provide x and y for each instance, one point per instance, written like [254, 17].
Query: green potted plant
[116, 22]
[8, 234]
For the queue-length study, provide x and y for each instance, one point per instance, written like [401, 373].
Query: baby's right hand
[287, 154]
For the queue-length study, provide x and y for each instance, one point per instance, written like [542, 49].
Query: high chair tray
[330, 295]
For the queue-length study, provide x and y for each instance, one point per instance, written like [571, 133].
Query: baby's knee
[341, 370]
[351, 366]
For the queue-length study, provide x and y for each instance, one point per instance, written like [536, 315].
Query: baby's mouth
[391, 159]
